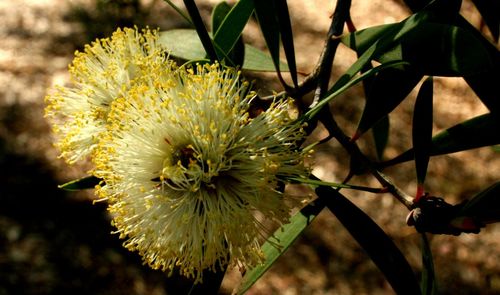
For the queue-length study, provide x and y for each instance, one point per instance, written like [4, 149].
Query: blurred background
[57, 242]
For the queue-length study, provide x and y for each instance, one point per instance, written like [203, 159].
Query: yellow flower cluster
[185, 167]
[103, 72]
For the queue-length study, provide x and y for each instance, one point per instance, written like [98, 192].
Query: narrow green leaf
[442, 50]
[485, 206]
[380, 133]
[431, 48]
[422, 130]
[266, 12]
[380, 130]
[346, 84]
[477, 132]
[389, 37]
[286, 33]
[218, 14]
[490, 12]
[442, 10]
[315, 182]
[228, 30]
[388, 89]
[485, 85]
[361, 40]
[428, 282]
[201, 30]
[373, 240]
[179, 11]
[80, 184]
[281, 240]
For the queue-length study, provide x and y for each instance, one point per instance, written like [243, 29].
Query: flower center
[185, 157]
[186, 169]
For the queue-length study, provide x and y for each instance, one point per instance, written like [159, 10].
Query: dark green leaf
[428, 283]
[185, 44]
[442, 10]
[346, 85]
[201, 30]
[432, 49]
[422, 130]
[281, 240]
[485, 85]
[485, 206]
[80, 184]
[228, 25]
[373, 240]
[477, 132]
[389, 38]
[315, 183]
[266, 15]
[388, 89]
[380, 133]
[361, 40]
[490, 12]
[218, 14]
[287, 37]
[179, 11]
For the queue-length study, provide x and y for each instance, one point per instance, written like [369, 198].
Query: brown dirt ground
[58, 242]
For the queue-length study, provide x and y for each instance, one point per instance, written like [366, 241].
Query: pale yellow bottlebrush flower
[103, 72]
[186, 168]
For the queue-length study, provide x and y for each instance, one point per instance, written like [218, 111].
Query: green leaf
[315, 183]
[380, 134]
[361, 40]
[182, 43]
[442, 50]
[422, 130]
[373, 240]
[428, 282]
[266, 12]
[179, 11]
[389, 37]
[201, 30]
[485, 206]
[431, 48]
[388, 89]
[282, 239]
[80, 184]
[490, 12]
[228, 24]
[485, 85]
[185, 44]
[256, 60]
[218, 14]
[346, 85]
[477, 132]
[287, 37]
